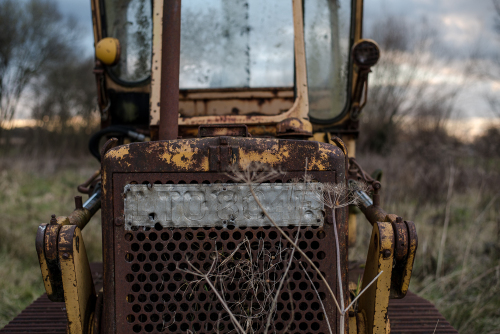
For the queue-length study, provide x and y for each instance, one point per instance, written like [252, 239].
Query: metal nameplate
[200, 205]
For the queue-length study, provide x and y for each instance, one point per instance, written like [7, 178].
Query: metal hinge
[223, 155]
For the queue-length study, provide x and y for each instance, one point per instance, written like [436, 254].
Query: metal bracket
[222, 156]
[79, 291]
[374, 302]
[406, 242]
[46, 248]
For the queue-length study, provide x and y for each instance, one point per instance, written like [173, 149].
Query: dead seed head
[256, 172]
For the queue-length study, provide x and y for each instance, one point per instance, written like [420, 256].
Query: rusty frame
[256, 113]
[299, 109]
[235, 101]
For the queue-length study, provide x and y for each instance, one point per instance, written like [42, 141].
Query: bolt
[65, 256]
[118, 221]
[53, 220]
[399, 220]
[387, 253]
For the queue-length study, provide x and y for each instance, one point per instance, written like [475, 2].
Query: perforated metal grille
[154, 293]
[161, 297]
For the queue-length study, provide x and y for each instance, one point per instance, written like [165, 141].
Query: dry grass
[28, 196]
[446, 187]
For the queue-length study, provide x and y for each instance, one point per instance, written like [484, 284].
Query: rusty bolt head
[65, 256]
[387, 253]
[53, 220]
[118, 221]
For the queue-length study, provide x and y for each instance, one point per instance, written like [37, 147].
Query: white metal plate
[200, 205]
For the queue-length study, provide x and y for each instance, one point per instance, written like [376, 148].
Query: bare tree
[35, 37]
[399, 85]
[66, 91]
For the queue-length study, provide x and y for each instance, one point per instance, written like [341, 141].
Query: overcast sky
[463, 26]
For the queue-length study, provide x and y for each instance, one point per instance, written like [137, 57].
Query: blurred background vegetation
[447, 182]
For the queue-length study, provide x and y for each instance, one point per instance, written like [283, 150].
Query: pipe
[170, 58]
[81, 216]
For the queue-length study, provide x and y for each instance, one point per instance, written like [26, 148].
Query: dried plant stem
[275, 300]
[339, 272]
[446, 222]
[436, 327]
[317, 294]
[209, 282]
[294, 245]
[362, 291]
[292, 317]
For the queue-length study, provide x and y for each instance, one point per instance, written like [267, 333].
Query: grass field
[466, 289]
[28, 196]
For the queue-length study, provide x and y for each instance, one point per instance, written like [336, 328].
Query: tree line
[43, 70]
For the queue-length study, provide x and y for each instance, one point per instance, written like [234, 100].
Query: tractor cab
[258, 63]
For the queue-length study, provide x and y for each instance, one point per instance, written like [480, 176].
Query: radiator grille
[154, 293]
[162, 298]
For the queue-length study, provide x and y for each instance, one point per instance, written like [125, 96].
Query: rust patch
[119, 152]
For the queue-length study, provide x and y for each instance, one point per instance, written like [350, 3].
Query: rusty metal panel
[153, 291]
[184, 162]
[226, 204]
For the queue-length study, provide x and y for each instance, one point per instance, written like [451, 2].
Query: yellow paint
[361, 322]
[62, 220]
[409, 265]
[351, 147]
[277, 154]
[352, 225]
[319, 137]
[353, 327]
[304, 125]
[45, 273]
[77, 279]
[107, 51]
[272, 156]
[375, 301]
[119, 153]
[156, 63]
[183, 155]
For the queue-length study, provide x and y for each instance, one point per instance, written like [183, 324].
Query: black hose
[96, 138]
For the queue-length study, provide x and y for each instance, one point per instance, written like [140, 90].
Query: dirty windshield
[327, 26]
[243, 43]
[236, 43]
[130, 21]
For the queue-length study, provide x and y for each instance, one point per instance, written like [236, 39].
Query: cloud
[80, 10]
[463, 26]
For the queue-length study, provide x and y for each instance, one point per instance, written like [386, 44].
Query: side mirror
[365, 53]
[107, 51]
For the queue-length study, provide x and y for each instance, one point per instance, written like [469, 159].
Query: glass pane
[130, 21]
[327, 26]
[236, 43]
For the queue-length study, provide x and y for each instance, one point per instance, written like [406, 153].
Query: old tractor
[227, 150]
